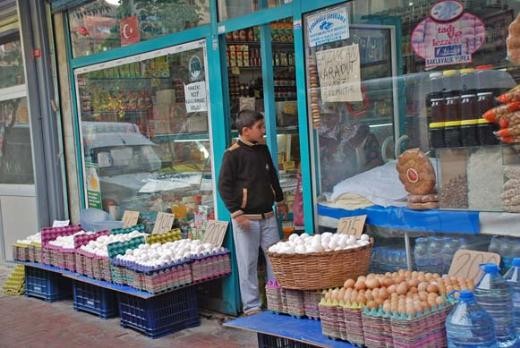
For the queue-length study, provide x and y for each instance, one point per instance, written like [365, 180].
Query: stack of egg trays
[35, 252]
[170, 236]
[353, 324]
[49, 252]
[311, 302]
[125, 230]
[374, 331]
[273, 293]
[329, 319]
[21, 252]
[426, 329]
[84, 261]
[207, 266]
[108, 269]
[295, 303]
[78, 258]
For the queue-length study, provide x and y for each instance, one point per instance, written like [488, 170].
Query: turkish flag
[129, 30]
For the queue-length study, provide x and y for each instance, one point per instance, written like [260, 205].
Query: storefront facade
[149, 92]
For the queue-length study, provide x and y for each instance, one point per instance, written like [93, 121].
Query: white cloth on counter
[379, 185]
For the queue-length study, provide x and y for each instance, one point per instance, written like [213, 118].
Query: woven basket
[323, 270]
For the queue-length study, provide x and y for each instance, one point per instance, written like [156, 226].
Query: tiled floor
[27, 322]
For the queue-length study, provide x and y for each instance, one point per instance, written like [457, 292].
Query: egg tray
[211, 266]
[120, 248]
[35, 252]
[311, 302]
[126, 230]
[84, 239]
[342, 323]
[329, 321]
[21, 252]
[101, 268]
[273, 293]
[119, 275]
[166, 237]
[170, 279]
[50, 255]
[377, 331]
[66, 259]
[51, 233]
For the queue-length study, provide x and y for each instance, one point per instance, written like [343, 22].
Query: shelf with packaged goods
[204, 136]
[257, 43]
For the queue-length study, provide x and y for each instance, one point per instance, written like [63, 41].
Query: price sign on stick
[466, 263]
[130, 218]
[352, 225]
[215, 232]
[163, 223]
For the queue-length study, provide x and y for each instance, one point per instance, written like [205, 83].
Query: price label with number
[352, 225]
[215, 232]
[130, 218]
[466, 263]
[163, 223]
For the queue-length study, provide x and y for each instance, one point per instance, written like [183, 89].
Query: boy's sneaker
[252, 311]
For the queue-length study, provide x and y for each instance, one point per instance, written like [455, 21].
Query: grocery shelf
[305, 331]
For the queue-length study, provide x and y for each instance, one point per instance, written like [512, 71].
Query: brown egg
[412, 290]
[402, 288]
[413, 282]
[436, 276]
[379, 301]
[360, 285]
[432, 287]
[415, 274]
[349, 283]
[421, 277]
[372, 283]
[401, 271]
[392, 288]
[346, 297]
[408, 274]
[371, 276]
[341, 292]
[431, 302]
[371, 304]
[423, 295]
[410, 309]
[361, 299]
[363, 278]
[422, 286]
[428, 276]
[399, 279]
[439, 300]
[369, 295]
[383, 293]
[375, 293]
[387, 281]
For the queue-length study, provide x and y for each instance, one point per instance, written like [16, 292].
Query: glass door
[145, 135]
[270, 88]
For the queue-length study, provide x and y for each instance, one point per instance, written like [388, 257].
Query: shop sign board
[328, 26]
[466, 263]
[195, 96]
[339, 72]
[129, 30]
[449, 36]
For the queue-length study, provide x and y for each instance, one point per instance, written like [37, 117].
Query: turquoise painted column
[303, 123]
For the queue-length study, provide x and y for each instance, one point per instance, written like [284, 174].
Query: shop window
[16, 165]
[235, 8]
[145, 135]
[106, 24]
[397, 75]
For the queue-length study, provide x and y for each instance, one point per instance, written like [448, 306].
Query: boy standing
[249, 186]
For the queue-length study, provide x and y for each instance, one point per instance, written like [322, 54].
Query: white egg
[300, 249]
[365, 237]
[293, 236]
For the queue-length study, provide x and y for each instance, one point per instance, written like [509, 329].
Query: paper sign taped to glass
[340, 74]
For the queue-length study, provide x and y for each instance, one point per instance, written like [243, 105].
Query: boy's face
[255, 133]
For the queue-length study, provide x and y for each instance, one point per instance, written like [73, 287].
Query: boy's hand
[243, 221]
[282, 209]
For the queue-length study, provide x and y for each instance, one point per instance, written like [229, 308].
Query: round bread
[416, 172]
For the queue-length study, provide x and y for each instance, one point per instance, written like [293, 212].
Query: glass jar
[485, 101]
[468, 133]
[485, 133]
[452, 107]
[468, 107]
[436, 134]
[452, 136]
[437, 109]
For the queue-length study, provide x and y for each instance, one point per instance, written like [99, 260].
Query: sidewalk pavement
[32, 323]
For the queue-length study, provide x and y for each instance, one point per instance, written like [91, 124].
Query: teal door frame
[213, 33]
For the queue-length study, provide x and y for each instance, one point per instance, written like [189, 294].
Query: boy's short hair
[247, 118]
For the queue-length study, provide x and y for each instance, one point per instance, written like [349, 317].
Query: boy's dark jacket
[248, 182]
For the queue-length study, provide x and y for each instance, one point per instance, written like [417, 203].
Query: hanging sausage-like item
[314, 91]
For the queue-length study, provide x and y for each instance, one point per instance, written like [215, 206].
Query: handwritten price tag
[352, 225]
[215, 232]
[163, 223]
[60, 223]
[466, 263]
[130, 218]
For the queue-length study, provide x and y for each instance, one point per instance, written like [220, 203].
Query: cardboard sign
[352, 225]
[130, 218]
[60, 223]
[339, 72]
[195, 97]
[466, 263]
[215, 232]
[163, 223]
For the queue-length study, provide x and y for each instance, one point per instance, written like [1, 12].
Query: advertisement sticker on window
[448, 36]
[328, 26]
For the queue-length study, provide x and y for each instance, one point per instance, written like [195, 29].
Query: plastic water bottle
[469, 325]
[513, 278]
[494, 294]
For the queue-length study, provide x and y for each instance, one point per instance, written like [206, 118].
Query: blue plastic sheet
[440, 221]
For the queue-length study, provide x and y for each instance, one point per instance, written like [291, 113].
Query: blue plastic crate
[46, 285]
[162, 314]
[95, 300]
[268, 341]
